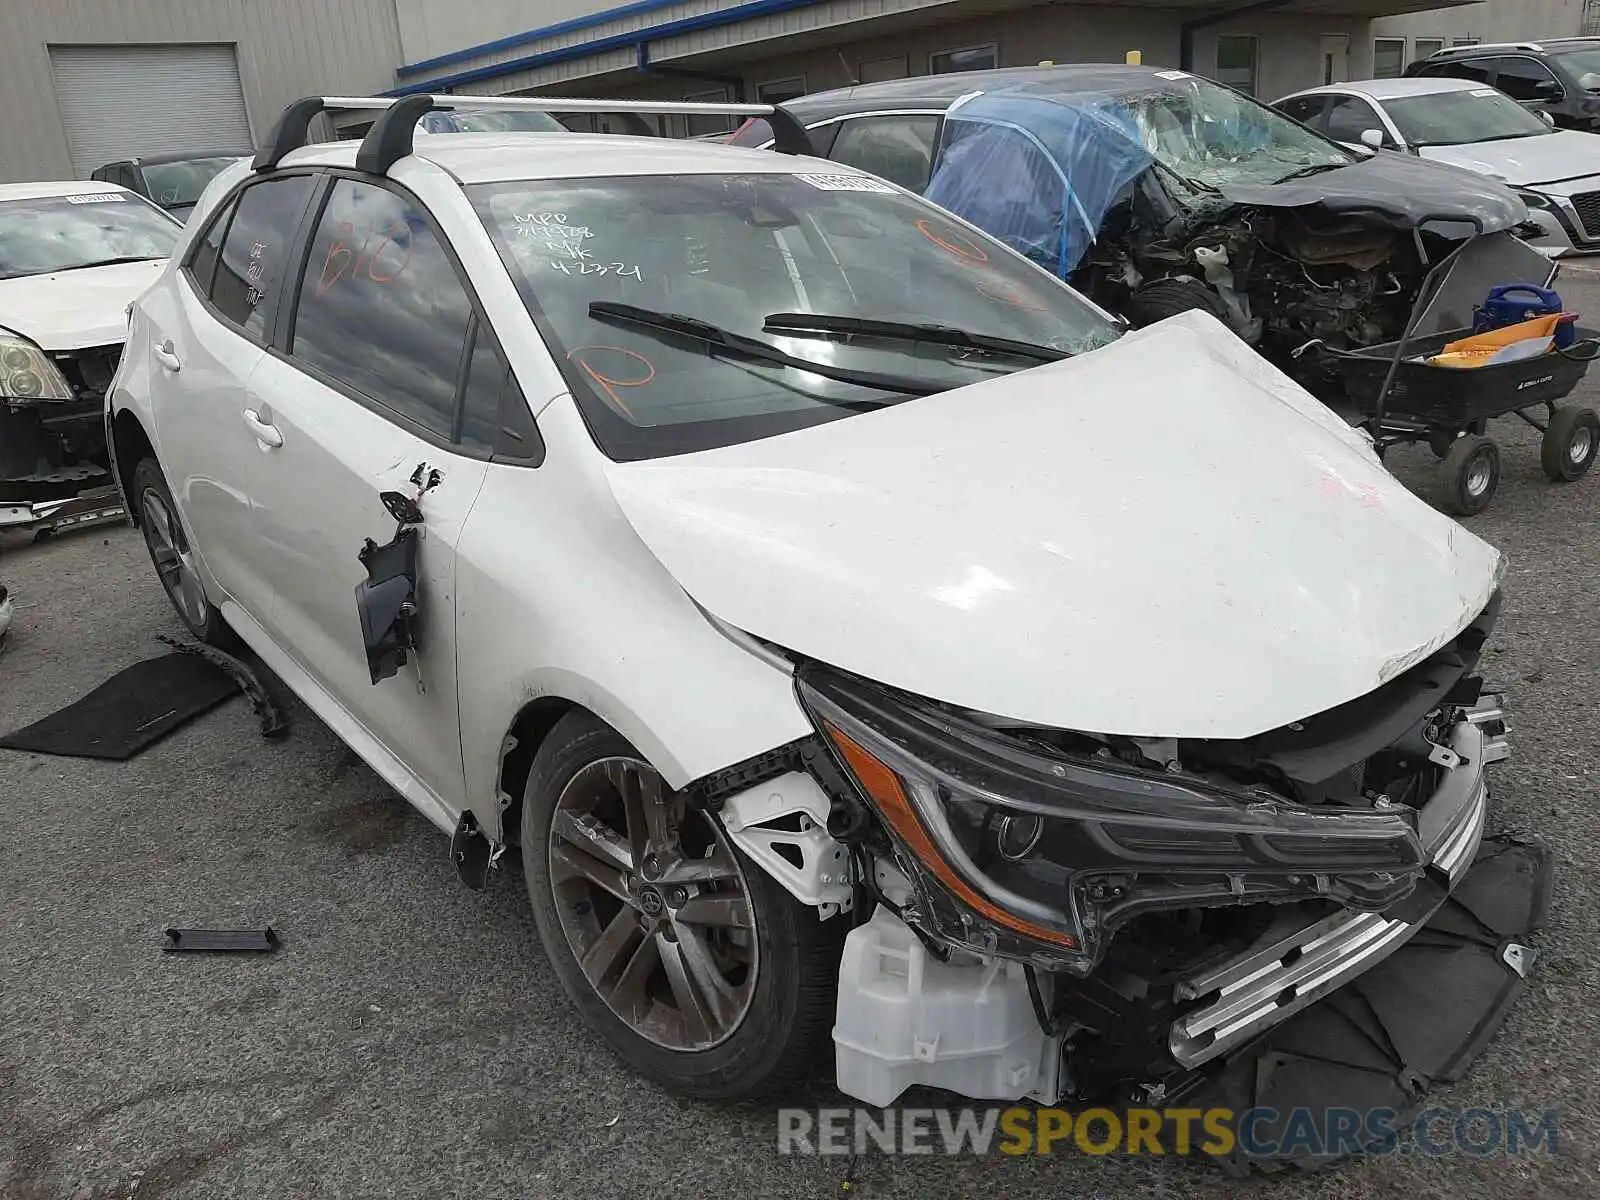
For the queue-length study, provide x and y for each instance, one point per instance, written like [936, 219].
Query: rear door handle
[265, 433]
[168, 357]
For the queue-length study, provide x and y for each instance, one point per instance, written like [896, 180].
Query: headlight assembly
[27, 374]
[1037, 854]
[1534, 199]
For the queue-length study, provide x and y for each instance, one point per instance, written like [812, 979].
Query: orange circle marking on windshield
[965, 249]
[1009, 294]
[606, 383]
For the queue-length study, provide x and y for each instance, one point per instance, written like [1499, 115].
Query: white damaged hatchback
[858, 634]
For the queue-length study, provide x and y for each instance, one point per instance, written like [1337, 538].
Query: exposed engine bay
[54, 467]
[1059, 915]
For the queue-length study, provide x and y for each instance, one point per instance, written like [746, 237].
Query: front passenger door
[365, 387]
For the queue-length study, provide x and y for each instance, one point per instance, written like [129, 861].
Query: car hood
[1566, 154]
[1395, 190]
[68, 310]
[1166, 537]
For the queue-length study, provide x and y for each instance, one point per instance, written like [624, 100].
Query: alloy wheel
[173, 558]
[653, 904]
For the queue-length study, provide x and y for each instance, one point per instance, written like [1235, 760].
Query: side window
[900, 149]
[494, 415]
[252, 263]
[1305, 109]
[1527, 80]
[203, 258]
[1479, 70]
[381, 308]
[1349, 117]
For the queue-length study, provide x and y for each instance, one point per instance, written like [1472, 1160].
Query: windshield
[1583, 65]
[1460, 117]
[179, 184]
[490, 121]
[62, 233]
[734, 250]
[1216, 136]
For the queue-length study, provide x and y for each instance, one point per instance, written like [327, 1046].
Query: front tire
[697, 968]
[168, 544]
[1471, 475]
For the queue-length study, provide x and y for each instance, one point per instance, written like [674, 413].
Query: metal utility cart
[1402, 399]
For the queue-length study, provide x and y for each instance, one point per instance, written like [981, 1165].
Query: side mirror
[1544, 115]
[1550, 89]
[1372, 138]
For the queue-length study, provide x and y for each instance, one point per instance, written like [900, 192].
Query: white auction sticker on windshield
[1172, 75]
[845, 183]
[1485, 92]
[96, 198]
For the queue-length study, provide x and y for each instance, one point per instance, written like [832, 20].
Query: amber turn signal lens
[884, 786]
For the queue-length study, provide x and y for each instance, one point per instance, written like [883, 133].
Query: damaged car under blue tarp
[1039, 172]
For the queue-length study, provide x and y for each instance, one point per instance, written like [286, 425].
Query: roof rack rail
[1450, 51]
[390, 138]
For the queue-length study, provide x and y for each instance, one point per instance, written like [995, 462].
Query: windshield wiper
[737, 345]
[113, 262]
[819, 325]
[1313, 169]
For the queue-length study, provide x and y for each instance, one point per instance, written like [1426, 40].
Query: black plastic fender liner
[1384, 1040]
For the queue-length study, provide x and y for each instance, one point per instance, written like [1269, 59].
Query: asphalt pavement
[409, 1038]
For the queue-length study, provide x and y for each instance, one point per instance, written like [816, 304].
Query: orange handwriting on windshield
[607, 383]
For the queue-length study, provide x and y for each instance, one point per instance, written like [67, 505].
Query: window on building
[776, 91]
[1236, 62]
[710, 125]
[1388, 58]
[969, 58]
[1526, 79]
[381, 310]
[899, 148]
[253, 254]
[1427, 47]
[878, 70]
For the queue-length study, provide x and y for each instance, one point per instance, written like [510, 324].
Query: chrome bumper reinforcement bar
[1267, 984]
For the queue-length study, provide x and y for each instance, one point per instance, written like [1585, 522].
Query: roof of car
[184, 156]
[60, 187]
[1392, 89]
[493, 157]
[940, 91]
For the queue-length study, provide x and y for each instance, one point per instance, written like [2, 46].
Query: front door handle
[265, 433]
[168, 357]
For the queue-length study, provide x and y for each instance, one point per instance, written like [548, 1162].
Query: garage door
[118, 101]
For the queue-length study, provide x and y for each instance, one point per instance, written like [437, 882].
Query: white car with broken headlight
[72, 257]
[853, 629]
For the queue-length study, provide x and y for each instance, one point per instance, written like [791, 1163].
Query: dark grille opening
[89, 371]
[1588, 206]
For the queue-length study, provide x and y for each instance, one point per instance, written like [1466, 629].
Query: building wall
[831, 53]
[1490, 21]
[286, 49]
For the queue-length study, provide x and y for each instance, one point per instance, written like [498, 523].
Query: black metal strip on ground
[273, 723]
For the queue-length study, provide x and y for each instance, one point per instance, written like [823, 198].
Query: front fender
[558, 597]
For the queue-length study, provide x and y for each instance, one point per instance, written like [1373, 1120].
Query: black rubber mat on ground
[133, 709]
[1417, 1019]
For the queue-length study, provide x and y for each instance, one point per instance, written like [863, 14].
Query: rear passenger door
[381, 374]
[208, 325]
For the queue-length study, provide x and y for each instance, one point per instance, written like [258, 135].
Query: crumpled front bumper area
[1417, 1019]
[1292, 970]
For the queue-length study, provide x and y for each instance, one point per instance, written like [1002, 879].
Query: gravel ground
[409, 1038]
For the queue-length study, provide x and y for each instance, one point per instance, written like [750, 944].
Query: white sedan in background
[1458, 121]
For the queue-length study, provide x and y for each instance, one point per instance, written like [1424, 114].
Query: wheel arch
[529, 728]
[130, 444]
